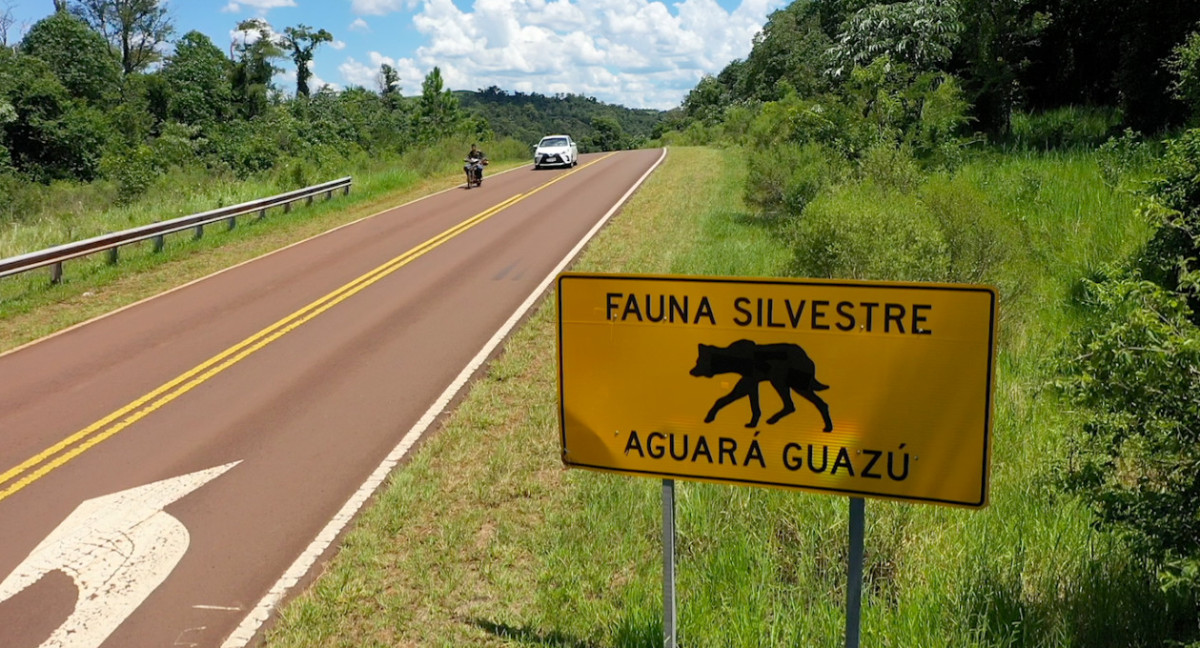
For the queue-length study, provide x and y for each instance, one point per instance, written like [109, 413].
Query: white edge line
[249, 627]
[234, 267]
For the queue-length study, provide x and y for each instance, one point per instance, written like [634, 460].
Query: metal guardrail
[55, 256]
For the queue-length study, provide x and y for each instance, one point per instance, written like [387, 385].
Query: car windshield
[554, 141]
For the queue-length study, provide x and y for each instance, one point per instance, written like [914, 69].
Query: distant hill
[528, 117]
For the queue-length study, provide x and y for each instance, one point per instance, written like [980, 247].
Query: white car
[555, 150]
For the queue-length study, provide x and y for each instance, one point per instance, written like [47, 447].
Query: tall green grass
[1071, 127]
[65, 211]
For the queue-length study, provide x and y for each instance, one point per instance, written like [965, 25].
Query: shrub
[822, 120]
[896, 104]
[696, 134]
[891, 166]
[787, 177]
[1172, 258]
[736, 127]
[20, 200]
[176, 145]
[133, 170]
[976, 234]
[867, 232]
[1119, 155]
[1134, 371]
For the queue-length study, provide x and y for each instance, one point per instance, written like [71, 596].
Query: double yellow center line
[55, 456]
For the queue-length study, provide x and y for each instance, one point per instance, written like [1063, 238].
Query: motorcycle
[474, 171]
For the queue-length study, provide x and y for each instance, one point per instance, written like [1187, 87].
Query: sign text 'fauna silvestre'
[670, 376]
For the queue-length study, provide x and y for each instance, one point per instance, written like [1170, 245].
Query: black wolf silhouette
[786, 366]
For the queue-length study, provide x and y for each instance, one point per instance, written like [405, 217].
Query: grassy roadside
[484, 540]
[31, 308]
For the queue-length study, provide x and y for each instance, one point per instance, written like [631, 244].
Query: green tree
[608, 134]
[389, 81]
[48, 134]
[8, 113]
[998, 41]
[437, 111]
[707, 102]
[253, 68]
[389, 87]
[197, 78]
[792, 50]
[79, 57]
[918, 33]
[1172, 257]
[301, 41]
[135, 27]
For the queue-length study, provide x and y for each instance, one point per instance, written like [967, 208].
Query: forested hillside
[1002, 56]
[596, 126]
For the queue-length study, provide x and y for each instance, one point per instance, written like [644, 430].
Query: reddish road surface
[169, 471]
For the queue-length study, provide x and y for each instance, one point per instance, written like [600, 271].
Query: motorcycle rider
[474, 166]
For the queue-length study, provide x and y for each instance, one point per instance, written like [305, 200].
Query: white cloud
[639, 53]
[252, 35]
[381, 7]
[315, 83]
[367, 75]
[262, 6]
[338, 45]
[358, 74]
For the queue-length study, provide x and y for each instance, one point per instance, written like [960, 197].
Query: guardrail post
[159, 242]
[112, 255]
[56, 273]
[199, 233]
[232, 223]
[262, 213]
[329, 195]
[287, 208]
[308, 200]
[346, 190]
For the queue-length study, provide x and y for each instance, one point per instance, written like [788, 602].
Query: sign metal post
[854, 572]
[668, 507]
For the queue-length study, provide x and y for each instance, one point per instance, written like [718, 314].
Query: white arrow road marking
[117, 548]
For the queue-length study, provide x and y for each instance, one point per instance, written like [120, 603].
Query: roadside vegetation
[484, 539]
[31, 307]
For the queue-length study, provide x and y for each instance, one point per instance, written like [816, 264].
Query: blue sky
[636, 53]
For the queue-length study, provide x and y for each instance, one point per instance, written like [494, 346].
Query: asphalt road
[171, 471]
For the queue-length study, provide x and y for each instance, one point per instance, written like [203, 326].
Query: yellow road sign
[872, 389]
